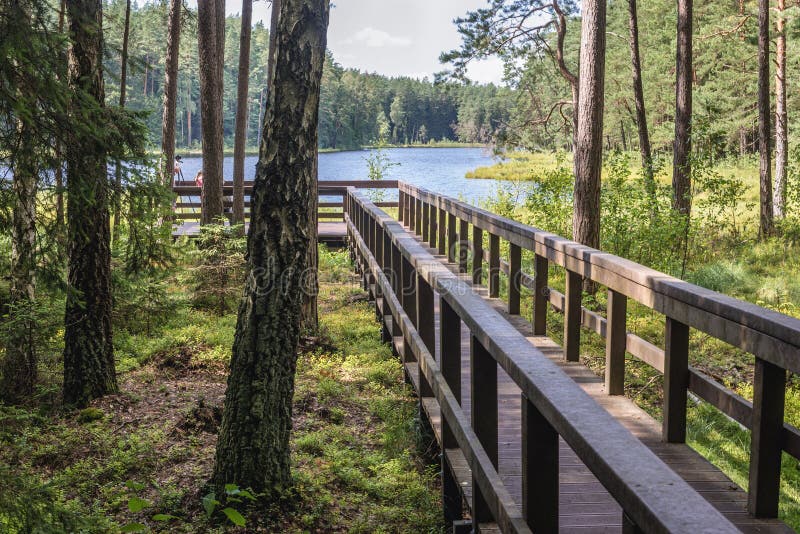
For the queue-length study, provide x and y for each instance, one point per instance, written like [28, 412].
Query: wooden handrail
[650, 493]
[773, 338]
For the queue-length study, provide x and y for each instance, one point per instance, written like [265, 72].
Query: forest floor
[139, 460]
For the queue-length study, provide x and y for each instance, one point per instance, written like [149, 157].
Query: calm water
[438, 169]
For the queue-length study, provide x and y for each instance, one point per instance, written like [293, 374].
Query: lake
[439, 169]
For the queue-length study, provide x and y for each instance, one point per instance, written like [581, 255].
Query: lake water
[439, 169]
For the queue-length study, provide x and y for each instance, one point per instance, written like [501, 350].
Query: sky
[394, 37]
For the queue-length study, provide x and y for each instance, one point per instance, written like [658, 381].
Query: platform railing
[406, 280]
[771, 337]
[188, 206]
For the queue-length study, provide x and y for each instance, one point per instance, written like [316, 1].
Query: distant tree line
[356, 109]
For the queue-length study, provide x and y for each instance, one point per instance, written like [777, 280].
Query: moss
[88, 415]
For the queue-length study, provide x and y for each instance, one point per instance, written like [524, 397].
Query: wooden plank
[769, 383]
[676, 381]
[615, 343]
[541, 293]
[483, 373]
[463, 245]
[540, 470]
[572, 317]
[494, 266]
[514, 278]
[477, 255]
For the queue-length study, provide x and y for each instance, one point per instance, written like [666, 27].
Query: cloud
[374, 38]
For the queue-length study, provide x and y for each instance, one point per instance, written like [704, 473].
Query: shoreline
[197, 153]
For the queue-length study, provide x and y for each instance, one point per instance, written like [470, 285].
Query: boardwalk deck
[331, 233]
[585, 505]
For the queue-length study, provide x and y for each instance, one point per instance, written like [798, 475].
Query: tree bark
[211, 48]
[123, 83]
[681, 165]
[170, 93]
[240, 140]
[273, 34]
[589, 149]
[19, 365]
[561, 32]
[88, 353]
[253, 447]
[781, 115]
[766, 225]
[641, 114]
[59, 170]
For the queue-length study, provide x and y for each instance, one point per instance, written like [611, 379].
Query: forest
[357, 108]
[190, 356]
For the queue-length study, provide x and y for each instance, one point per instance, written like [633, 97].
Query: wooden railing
[773, 338]
[406, 280]
[188, 206]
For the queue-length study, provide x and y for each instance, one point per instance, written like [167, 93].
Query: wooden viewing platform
[532, 439]
[331, 229]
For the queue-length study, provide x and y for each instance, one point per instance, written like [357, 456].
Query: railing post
[769, 398]
[450, 365]
[539, 470]
[676, 381]
[451, 238]
[401, 206]
[408, 301]
[616, 340]
[477, 255]
[442, 231]
[541, 296]
[412, 214]
[514, 278]
[432, 225]
[572, 317]
[463, 245]
[494, 266]
[385, 262]
[395, 269]
[425, 222]
[483, 386]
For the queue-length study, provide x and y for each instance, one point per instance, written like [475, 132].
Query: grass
[149, 450]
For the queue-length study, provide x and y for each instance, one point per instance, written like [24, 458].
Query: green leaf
[134, 486]
[210, 502]
[246, 494]
[163, 517]
[231, 489]
[235, 517]
[136, 504]
[134, 527]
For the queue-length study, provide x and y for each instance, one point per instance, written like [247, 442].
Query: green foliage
[217, 276]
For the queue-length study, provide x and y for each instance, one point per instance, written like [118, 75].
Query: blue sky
[394, 37]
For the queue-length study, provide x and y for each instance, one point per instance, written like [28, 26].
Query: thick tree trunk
[641, 114]
[123, 87]
[88, 352]
[273, 35]
[253, 447]
[19, 365]
[240, 140]
[681, 167]
[211, 48]
[781, 115]
[170, 93]
[766, 225]
[589, 150]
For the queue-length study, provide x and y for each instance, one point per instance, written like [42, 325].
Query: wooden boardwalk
[585, 505]
[533, 440]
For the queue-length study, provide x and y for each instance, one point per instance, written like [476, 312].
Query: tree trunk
[273, 35]
[681, 167]
[641, 114]
[253, 447]
[123, 83]
[189, 125]
[240, 140]
[781, 116]
[589, 149]
[766, 223]
[310, 316]
[88, 353]
[211, 48]
[19, 365]
[170, 93]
